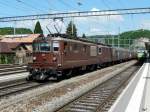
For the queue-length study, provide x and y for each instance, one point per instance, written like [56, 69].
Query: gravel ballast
[53, 96]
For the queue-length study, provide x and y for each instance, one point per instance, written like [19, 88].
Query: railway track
[101, 98]
[12, 69]
[10, 65]
[18, 87]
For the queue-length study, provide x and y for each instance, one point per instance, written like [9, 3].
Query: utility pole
[72, 25]
[119, 37]
[129, 44]
[113, 41]
[123, 42]
[14, 27]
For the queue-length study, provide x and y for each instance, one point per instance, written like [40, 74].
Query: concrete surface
[132, 98]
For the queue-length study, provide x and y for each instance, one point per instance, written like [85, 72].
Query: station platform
[136, 96]
[13, 77]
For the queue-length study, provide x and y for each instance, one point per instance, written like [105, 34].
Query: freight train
[58, 56]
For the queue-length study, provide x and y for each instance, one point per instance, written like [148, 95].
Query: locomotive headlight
[54, 58]
[34, 58]
[59, 65]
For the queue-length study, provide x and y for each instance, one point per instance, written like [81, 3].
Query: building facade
[17, 49]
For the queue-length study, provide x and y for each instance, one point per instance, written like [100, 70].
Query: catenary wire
[30, 6]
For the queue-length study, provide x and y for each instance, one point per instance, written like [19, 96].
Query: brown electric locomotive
[57, 56]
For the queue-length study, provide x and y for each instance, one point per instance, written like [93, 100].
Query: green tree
[38, 28]
[71, 30]
[83, 36]
[10, 31]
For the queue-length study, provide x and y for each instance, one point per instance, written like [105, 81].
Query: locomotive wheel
[67, 73]
[59, 78]
[91, 67]
[29, 78]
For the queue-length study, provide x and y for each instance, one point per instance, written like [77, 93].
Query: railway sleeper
[76, 110]
[86, 103]
[83, 107]
[89, 101]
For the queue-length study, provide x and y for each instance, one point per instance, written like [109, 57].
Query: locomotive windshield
[42, 47]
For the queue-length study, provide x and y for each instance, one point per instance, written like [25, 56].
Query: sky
[87, 25]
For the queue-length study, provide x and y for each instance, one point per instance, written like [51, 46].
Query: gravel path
[53, 96]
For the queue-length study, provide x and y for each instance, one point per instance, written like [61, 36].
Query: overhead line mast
[78, 14]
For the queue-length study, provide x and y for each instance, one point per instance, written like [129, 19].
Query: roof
[7, 47]
[17, 35]
[83, 40]
[22, 39]
[72, 40]
[1, 37]
[64, 37]
[28, 47]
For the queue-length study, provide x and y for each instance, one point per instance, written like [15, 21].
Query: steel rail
[18, 87]
[102, 107]
[99, 97]
[8, 70]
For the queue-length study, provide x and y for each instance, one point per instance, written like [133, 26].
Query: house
[21, 52]
[7, 55]
[1, 37]
[139, 44]
[20, 38]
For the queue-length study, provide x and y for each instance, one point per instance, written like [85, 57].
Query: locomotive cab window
[55, 46]
[35, 47]
[44, 47]
[41, 47]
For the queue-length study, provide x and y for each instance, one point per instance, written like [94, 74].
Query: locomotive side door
[71, 54]
[57, 53]
[66, 57]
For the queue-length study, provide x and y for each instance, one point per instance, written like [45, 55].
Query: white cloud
[99, 24]
[110, 18]
[145, 24]
[94, 9]
[118, 18]
[25, 24]
[100, 31]
[96, 31]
